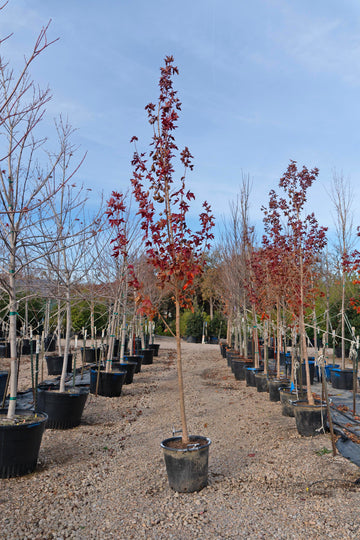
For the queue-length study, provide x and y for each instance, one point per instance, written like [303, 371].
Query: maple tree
[171, 247]
[261, 293]
[277, 261]
[302, 240]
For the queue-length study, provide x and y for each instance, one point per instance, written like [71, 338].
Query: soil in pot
[310, 419]
[187, 468]
[20, 442]
[287, 399]
[261, 381]
[64, 409]
[55, 363]
[110, 384]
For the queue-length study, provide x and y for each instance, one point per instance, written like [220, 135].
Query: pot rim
[79, 390]
[191, 448]
[24, 412]
[306, 405]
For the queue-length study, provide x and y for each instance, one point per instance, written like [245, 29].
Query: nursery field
[107, 479]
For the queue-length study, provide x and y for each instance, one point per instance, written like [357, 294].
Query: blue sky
[261, 82]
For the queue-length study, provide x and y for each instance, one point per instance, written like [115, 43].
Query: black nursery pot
[187, 469]
[261, 381]
[20, 445]
[274, 388]
[50, 343]
[135, 358]
[3, 379]
[110, 384]
[64, 409]
[238, 369]
[55, 363]
[129, 367]
[90, 356]
[342, 379]
[310, 419]
[28, 346]
[250, 375]
[155, 347]
[148, 355]
[288, 398]
[5, 350]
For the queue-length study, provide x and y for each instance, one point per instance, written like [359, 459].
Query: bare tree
[24, 180]
[67, 233]
[342, 197]
[235, 248]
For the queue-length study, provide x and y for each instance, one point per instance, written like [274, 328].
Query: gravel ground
[106, 478]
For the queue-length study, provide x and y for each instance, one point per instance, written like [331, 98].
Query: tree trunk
[278, 337]
[59, 326]
[343, 322]
[112, 326]
[123, 328]
[211, 304]
[185, 435]
[67, 341]
[228, 332]
[47, 318]
[256, 341]
[92, 323]
[245, 334]
[12, 339]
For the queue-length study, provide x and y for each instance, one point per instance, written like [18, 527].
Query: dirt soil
[106, 478]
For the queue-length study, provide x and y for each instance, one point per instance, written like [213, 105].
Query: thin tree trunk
[245, 334]
[59, 325]
[47, 317]
[278, 337]
[343, 322]
[92, 323]
[26, 333]
[303, 335]
[228, 332]
[123, 329]
[112, 326]
[185, 435]
[256, 341]
[67, 341]
[12, 340]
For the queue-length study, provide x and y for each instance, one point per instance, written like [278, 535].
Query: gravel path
[106, 479]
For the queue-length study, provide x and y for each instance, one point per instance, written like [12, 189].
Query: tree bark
[185, 435]
[67, 340]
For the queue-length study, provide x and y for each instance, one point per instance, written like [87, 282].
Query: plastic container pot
[187, 469]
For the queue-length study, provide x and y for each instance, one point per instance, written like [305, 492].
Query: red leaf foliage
[175, 251]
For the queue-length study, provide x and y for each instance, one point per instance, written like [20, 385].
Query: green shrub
[194, 325]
